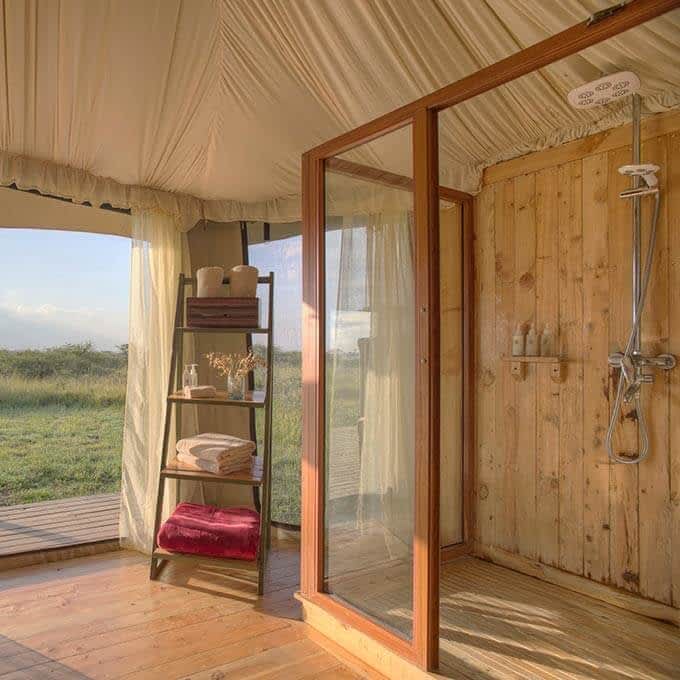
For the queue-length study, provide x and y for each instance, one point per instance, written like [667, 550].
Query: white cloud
[48, 310]
[346, 328]
[24, 325]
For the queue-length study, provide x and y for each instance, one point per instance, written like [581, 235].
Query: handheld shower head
[645, 170]
[604, 90]
[648, 173]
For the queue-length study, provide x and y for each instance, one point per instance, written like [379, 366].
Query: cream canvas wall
[23, 210]
[218, 244]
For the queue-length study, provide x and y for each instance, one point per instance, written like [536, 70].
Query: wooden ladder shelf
[259, 474]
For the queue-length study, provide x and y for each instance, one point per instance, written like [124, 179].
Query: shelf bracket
[557, 372]
[518, 366]
[518, 370]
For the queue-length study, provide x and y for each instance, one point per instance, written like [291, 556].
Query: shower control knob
[667, 361]
[615, 359]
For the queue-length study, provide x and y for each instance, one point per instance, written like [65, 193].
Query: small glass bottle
[193, 375]
[186, 376]
[547, 348]
[531, 347]
[518, 342]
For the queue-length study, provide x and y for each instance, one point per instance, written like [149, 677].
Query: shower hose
[624, 380]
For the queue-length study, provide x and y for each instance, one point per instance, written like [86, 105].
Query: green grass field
[59, 437]
[61, 424]
[286, 438]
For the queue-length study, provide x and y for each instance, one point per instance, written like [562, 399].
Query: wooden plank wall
[553, 245]
[451, 361]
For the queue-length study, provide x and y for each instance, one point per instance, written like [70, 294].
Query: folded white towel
[200, 392]
[215, 468]
[214, 446]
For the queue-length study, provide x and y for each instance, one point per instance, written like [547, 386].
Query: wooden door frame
[422, 115]
[426, 514]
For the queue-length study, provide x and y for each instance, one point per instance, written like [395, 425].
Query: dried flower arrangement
[236, 365]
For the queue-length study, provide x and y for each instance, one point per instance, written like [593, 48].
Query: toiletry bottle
[547, 342]
[193, 375]
[518, 342]
[186, 376]
[531, 345]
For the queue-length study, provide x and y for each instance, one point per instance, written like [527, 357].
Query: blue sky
[284, 258]
[61, 286]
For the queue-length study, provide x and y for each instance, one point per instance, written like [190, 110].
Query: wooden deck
[101, 617]
[58, 524]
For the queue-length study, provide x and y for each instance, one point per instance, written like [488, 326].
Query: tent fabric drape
[386, 489]
[374, 327]
[158, 256]
[83, 187]
[203, 107]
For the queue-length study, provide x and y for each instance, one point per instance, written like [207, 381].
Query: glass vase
[236, 387]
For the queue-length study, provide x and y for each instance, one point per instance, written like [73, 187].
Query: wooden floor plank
[102, 617]
[498, 623]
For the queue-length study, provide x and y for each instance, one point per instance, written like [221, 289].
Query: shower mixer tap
[664, 362]
[631, 370]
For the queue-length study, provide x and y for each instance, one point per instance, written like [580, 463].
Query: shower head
[648, 173]
[604, 90]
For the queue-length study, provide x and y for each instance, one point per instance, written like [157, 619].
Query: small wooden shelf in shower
[518, 366]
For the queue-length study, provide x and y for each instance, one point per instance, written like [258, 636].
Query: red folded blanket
[214, 532]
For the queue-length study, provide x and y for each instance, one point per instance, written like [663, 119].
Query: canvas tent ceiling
[217, 99]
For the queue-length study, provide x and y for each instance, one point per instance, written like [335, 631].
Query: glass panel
[278, 248]
[370, 380]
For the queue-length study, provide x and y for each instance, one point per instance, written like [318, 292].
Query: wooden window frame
[423, 648]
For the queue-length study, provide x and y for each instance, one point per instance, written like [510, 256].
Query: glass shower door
[370, 468]
[370, 370]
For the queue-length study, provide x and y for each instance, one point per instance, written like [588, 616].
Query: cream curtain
[374, 325]
[159, 254]
[386, 488]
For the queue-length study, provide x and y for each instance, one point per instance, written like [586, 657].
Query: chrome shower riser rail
[631, 361]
